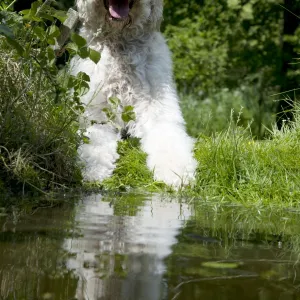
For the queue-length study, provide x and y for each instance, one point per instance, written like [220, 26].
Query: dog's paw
[172, 169]
[99, 162]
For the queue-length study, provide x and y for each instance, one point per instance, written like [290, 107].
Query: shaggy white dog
[136, 67]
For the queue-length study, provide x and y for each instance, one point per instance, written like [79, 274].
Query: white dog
[135, 67]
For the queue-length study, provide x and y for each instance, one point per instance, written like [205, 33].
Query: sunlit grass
[131, 171]
[233, 166]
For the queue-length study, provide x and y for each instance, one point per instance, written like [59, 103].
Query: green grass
[215, 112]
[233, 167]
[38, 124]
[131, 172]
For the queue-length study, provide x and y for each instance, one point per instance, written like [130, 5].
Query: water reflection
[236, 253]
[122, 257]
[146, 247]
[32, 261]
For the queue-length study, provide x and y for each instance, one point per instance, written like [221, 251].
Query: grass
[38, 122]
[233, 166]
[132, 170]
[215, 112]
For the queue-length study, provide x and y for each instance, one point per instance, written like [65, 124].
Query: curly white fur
[136, 67]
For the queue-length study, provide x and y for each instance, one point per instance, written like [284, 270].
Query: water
[136, 247]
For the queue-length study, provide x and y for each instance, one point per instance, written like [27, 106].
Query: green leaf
[84, 52]
[51, 41]
[31, 14]
[15, 45]
[31, 17]
[25, 12]
[45, 16]
[128, 114]
[39, 32]
[71, 80]
[34, 7]
[82, 88]
[85, 139]
[53, 31]
[60, 15]
[72, 48]
[83, 77]
[109, 114]
[51, 55]
[78, 40]
[128, 108]
[114, 101]
[95, 56]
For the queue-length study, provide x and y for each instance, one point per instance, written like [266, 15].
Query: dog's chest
[127, 74]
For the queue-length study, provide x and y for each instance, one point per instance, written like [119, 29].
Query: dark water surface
[135, 247]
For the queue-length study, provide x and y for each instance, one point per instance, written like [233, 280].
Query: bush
[39, 129]
[218, 110]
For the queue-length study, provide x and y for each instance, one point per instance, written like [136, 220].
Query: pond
[149, 247]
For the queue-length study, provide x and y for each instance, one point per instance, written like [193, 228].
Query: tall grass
[234, 166]
[38, 120]
[213, 113]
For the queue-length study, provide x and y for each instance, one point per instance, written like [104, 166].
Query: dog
[136, 68]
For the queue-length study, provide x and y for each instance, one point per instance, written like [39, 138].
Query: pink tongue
[119, 9]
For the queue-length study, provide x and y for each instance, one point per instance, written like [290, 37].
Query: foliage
[213, 41]
[218, 110]
[229, 44]
[39, 130]
[233, 166]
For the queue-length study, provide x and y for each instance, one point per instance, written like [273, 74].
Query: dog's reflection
[122, 257]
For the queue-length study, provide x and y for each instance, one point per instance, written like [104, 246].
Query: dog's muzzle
[118, 9]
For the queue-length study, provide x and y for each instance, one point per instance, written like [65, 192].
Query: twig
[10, 5]
[289, 11]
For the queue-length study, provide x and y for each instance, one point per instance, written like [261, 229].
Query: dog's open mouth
[118, 9]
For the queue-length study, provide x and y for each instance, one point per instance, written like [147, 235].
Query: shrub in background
[217, 111]
[227, 44]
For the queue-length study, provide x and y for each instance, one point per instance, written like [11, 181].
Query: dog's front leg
[161, 128]
[100, 154]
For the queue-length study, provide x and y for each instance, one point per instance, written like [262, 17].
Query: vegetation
[233, 167]
[39, 131]
[244, 46]
[226, 100]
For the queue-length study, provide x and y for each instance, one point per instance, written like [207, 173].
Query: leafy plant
[42, 99]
